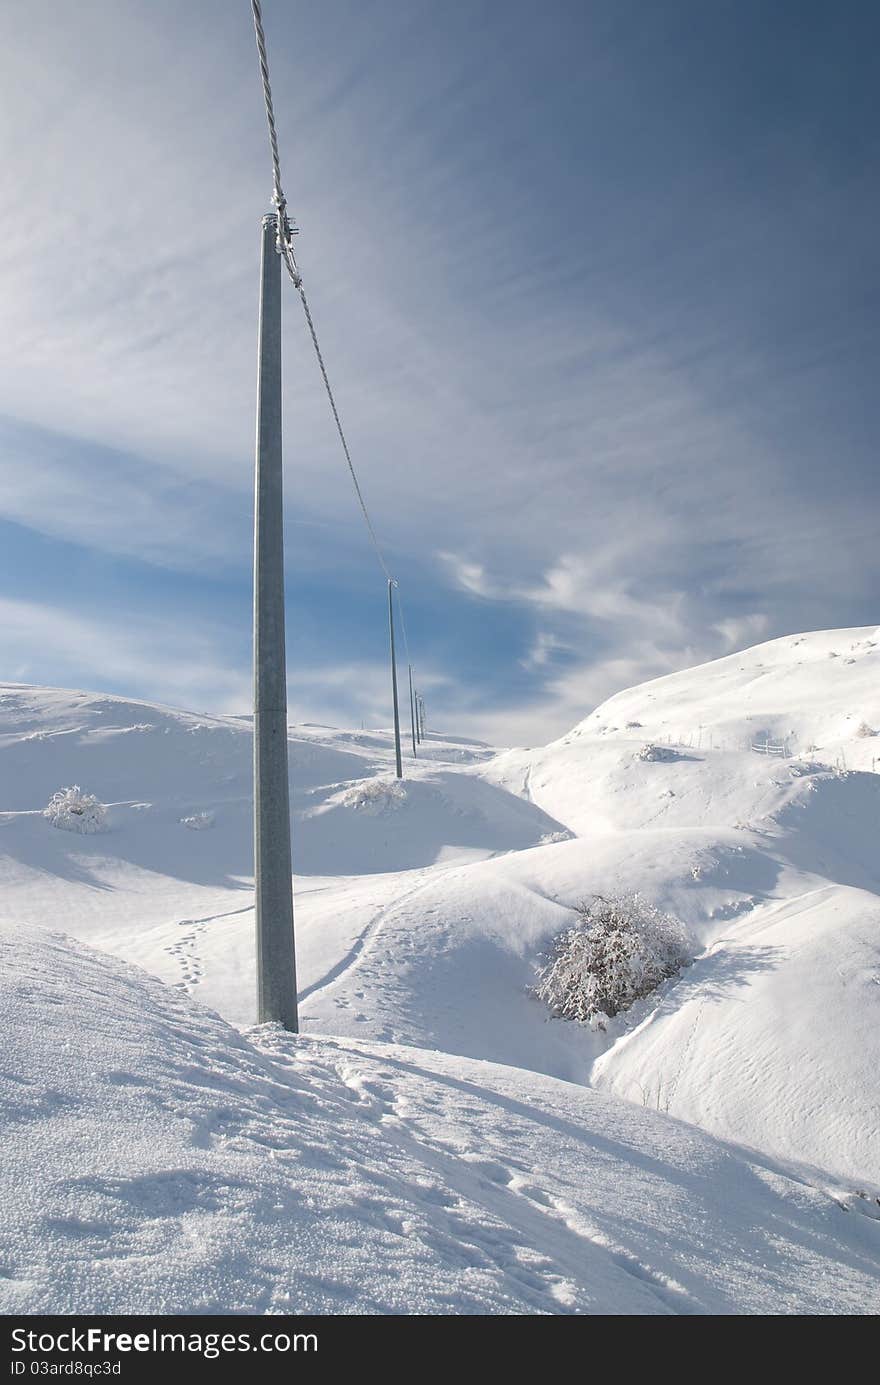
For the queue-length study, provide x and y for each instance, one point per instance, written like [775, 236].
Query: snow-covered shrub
[657, 752]
[198, 822]
[863, 729]
[549, 838]
[799, 768]
[75, 811]
[619, 950]
[376, 796]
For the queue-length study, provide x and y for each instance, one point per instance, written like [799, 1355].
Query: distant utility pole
[418, 728]
[394, 681]
[412, 712]
[422, 718]
[273, 884]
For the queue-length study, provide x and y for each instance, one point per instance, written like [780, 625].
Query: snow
[772, 1035]
[270, 1175]
[733, 1114]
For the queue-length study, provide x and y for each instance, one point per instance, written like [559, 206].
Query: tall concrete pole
[412, 712]
[273, 884]
[394, 681]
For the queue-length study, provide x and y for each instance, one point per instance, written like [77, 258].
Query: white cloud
[129, 281]
[160, 661]
[737, 632]
[345, 694]
[146, 658]
[545, 646]
[572, 453]
[608, 637]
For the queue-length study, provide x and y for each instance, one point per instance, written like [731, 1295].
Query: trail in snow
[346, 964]
[511, 1189]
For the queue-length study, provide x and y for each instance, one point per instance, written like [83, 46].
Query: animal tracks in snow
[509, 1193]
[186, 950]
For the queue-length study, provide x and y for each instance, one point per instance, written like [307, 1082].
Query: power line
[403, 623]
[286, 232]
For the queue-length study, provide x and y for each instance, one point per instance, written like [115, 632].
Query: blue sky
[598, 286]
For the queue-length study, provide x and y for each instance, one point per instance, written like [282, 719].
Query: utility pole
[418, 728]
[422, 715]
[394, 680]
[273, 884]
[412, 712]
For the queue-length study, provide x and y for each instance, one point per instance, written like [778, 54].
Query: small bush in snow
[75, 811]
[864, 729]
[657, 752]
[799, 768]
[376, 796]
[198, 822]
[618, 951]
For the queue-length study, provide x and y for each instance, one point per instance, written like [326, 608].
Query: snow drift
[157, 1161]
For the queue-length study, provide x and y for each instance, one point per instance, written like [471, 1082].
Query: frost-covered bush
[657, 752]
[619, 950]
[376, 796]
[75, 811]
[198, 822]
[863, 729]
[799, 768]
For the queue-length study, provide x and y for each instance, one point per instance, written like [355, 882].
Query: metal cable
[403, 624]
[286, 231]
[363, 504]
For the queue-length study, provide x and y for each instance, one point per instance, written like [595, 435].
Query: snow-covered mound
[155, 1160]
[434, 817]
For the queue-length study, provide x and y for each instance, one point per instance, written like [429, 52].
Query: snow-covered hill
[179, 900]
[771, 859]
[742, 796]
[156, 1161]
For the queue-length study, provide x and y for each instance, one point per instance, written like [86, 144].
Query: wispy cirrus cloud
[51, 644]
[576, 296]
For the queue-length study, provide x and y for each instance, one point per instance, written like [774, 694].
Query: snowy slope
[422, 917]
[772, 861]
[158, 766]
[156, 1160]
[818, 693]
[773, 1035]
[179, 901]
